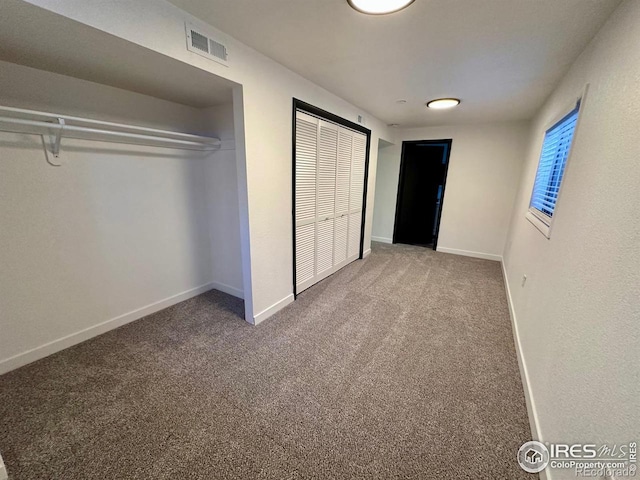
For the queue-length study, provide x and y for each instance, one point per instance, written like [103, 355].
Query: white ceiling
[37, 38]
[501, 57]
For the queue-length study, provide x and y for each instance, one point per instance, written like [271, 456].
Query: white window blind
[553, 160]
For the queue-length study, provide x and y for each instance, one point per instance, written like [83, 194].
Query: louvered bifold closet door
[329, 183]
[356, 191]
[343, 181]
[327, 151]
[305, 198]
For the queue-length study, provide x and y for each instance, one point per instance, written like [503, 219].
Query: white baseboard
[54, 346]
[468, 253]
[223, 287]
[382, 239]
[3, 470]
[366, 253]
[528, 394]
[276, 307]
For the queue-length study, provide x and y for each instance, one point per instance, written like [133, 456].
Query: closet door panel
[354, 234]
[327, 150]
[306, 166]
[343, 173]
[358, 154]
[357, 171]
[305, 253]
[341, 239]
[325, 246]
[343, 187]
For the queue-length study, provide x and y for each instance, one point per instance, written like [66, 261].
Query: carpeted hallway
[398, 366]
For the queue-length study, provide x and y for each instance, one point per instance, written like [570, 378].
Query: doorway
[423, 174]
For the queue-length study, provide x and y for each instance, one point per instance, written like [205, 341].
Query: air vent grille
[203, 44]
[217, 50]
[199, 41]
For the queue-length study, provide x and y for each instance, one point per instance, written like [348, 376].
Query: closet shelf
[18, 120]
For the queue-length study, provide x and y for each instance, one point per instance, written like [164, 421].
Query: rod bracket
[55, 139]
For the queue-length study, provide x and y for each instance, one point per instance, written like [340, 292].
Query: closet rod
[113, 132]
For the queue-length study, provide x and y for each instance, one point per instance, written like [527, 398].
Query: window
[551, 166]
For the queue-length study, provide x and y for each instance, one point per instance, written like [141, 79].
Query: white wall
[482, 180]
[578, 314]
[114, 233]
[222, 199]
[385, 195]
[263, 147]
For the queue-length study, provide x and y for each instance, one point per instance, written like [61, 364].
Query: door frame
[324, 115]
[445, 142]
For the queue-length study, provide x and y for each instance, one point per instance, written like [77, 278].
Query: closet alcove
[109, 229]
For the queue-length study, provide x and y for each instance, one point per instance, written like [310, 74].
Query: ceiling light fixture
[442, 103]
[379, 7]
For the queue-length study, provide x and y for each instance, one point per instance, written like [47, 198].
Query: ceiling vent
[204, 44]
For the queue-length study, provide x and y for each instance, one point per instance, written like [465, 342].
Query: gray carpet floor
[401, 365]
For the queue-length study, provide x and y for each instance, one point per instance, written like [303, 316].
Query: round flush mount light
[379, 7]
[442, 103]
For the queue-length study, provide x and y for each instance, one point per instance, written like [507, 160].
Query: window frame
[540, 220]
